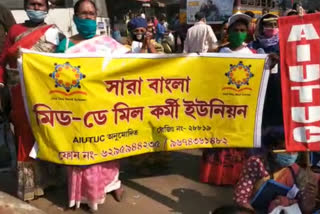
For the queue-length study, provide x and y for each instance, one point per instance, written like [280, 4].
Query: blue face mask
[86, 27]
[36, 16]
[285, 159]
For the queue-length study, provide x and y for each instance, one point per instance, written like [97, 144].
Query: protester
[280, 167]
[252, 25]
[161, 30]
[34, 34]
[223, 166]
[267, 41]
[224, 34]
[151, 32]
[176, 29]
[297, 6]
[6, 21]
[142, 40]
[200, 38]
[268, 34]
[155, 21]
[150, 26]
[238, 35]
[88, 184]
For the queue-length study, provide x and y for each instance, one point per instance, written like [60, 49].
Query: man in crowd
[161, 29]
[200, 38]
[6, 21]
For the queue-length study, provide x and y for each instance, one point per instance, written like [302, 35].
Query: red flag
[300, 81]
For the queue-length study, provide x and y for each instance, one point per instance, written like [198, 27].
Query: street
[175, 190]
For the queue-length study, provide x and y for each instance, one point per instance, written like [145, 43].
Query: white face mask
[139, 36]
[36, 16]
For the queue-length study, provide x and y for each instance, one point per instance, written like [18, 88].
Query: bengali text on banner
[88, 109]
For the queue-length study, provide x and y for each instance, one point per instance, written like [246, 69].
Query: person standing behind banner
[89, 184]
[223, 166]
[34, 34]
[223, 41]
[6, 21]
[238, 35]
[200, 38]
[161, 29]
[142, 39]
[267, 41]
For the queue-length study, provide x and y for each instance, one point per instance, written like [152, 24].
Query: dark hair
[26, 2]
[78, 4]
[231, 209]
[199, 15]
[272, 137]
[249, 13]
[292, 13]
[296, 5]
[266, 9]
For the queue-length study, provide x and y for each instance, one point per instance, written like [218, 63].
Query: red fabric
[28, 41]
[223, 167]
[306, 138]
[23, 133]
[22, 129]
[14, 31]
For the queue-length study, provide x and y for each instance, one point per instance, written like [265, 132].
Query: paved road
[175, 190]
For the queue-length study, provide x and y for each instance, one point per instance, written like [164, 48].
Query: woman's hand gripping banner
[84, 111]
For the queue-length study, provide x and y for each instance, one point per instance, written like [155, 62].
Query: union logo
[239, 75]
[67, 77]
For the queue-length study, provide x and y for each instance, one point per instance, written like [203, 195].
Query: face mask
[36, 16]
[270, 32]
[138, 37]
[86, 27]
[285, 159]
[237, 38]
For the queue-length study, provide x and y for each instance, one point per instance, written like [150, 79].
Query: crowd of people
[247, 170]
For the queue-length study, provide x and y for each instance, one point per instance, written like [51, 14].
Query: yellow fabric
[64, 120]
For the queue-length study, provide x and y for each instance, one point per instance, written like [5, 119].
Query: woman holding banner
[223, 167]
[89, 184]
[36, 35]
[267, 41]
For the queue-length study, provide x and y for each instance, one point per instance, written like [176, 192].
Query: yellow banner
[85, 110]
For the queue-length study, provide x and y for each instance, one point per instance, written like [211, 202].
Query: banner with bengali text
[87, 109]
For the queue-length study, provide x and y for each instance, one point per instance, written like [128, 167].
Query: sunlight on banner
[81, 114]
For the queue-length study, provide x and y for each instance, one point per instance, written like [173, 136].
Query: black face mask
[137, 37]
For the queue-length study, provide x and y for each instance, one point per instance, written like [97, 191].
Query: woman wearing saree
[34, 34]
[89, 184]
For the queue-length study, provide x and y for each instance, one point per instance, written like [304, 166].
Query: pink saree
[90, 184]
